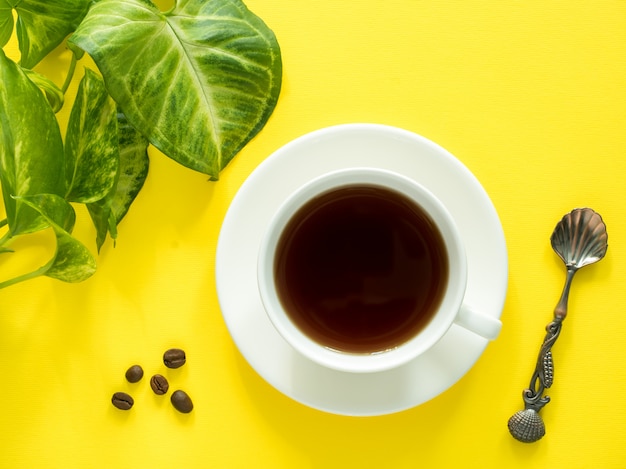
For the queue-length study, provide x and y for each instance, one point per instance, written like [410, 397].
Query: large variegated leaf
[42, 24]
[107, 213]
[31, 148]
[198, 81]
[91, 143]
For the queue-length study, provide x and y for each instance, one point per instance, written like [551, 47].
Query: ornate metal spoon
[580, 239]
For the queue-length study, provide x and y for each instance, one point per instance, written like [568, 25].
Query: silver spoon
[580, 239]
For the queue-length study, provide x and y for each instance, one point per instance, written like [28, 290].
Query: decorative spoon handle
[526, 425]
[543, 376]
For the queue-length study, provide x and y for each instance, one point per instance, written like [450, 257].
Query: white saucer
[291, 166]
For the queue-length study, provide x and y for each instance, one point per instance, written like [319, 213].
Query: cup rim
[366, 362]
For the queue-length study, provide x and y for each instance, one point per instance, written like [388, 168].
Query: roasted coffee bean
[181, 401]
[159, 384]
[134, 374]
[122, 401]
[174, 358]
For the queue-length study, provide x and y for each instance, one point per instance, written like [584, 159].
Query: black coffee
[361, 269]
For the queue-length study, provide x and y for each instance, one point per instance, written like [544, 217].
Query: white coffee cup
[451, 308]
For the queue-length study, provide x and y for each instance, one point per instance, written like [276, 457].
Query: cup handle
[482, 324]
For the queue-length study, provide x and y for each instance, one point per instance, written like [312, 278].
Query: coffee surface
[361, 269]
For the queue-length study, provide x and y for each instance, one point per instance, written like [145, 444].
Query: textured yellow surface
[530, 96]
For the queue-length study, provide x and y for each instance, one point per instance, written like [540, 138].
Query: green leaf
[133, 170]
[31, 148]
[91, 143]
[103, 221]
[72, 261]
[198, 81]
[52, 92]
[6, 22]
[43, 24]
[55, 209]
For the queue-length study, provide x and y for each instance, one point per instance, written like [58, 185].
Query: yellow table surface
[529, 95]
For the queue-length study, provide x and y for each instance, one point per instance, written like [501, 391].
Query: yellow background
[529, 95]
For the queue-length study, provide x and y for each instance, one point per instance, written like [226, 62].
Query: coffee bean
[159, 384]
[174, 358]
[181, 401]
[134, 374]
[122, 401]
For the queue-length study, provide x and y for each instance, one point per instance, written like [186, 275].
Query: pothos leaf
[133, 170]
[91, 143]
[6, 22]
[198, 81]
[43, 24]
[31, 148]
[51, 91]
[72, 261]
[55, 209]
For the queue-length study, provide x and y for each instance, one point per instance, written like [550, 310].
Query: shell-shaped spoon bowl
[580, 238]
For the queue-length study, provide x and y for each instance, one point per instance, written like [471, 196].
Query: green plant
[197, 82]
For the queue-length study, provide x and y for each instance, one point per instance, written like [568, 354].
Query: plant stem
[70, 74]
[6, 237]
[21, 278]
[30, 275]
